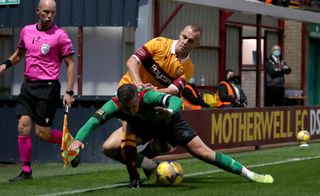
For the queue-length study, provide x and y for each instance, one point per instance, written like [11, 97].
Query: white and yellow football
[169, 173]
[303, 136]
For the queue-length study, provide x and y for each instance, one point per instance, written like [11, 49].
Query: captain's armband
[179, 83]
[99, 114]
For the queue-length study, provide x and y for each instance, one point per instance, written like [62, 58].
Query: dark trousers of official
[274, 96]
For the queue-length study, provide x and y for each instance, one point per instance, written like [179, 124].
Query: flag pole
[67, 139]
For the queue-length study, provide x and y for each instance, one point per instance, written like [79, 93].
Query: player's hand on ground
[68, 100]
[2, 68]
[76, 144]
[163, 112]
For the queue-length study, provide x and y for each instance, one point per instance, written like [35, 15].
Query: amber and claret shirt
[159, 64]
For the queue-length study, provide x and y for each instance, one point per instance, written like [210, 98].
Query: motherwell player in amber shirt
[164, 63]
[159, 64]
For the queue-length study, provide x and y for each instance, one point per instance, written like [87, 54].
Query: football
[303, 136]
[169, 173]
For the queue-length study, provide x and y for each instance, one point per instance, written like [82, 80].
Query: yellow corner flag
[67, 139]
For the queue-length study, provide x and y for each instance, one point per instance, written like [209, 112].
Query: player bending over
[154, 115]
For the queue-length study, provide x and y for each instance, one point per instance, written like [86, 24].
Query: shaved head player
[44, 46]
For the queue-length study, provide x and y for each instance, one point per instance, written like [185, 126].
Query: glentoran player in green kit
[152, 115]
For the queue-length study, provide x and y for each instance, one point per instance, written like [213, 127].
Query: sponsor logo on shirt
[160, 76]
[153, 68]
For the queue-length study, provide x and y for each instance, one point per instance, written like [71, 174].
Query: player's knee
[107, 149]
[43, 134]
[111, 153]
[112, 144]
[24, 129]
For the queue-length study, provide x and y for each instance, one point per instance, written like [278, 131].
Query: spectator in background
[192, 100]
[230, 92]
[284, 3]
[275, 68]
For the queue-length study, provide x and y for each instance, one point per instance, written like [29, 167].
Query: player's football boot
[75, 162]
[22, 176]
[262, 178]
[151, 174]
[135, 184]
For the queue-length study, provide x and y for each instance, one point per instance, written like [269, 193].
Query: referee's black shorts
[39, 100]
[177, 132]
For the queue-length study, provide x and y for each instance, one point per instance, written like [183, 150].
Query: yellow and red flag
[67, 139]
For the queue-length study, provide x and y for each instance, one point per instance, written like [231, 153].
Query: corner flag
[67, 139]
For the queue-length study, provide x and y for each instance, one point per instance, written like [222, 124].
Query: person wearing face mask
[230, 92]
[275, 68]
[192, 100]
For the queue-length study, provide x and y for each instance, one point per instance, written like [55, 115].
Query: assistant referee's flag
[67, 139]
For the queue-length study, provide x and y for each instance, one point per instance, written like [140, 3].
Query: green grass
[292, 177]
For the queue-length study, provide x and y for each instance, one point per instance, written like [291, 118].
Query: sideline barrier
[225, 128]
[236, 129]
[221, 129]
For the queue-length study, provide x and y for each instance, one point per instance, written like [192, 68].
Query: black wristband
[8, 64]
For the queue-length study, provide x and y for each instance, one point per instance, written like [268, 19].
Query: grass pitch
[296, 171]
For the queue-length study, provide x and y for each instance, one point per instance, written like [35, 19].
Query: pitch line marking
[254, 166]
[187, 175]
[87, 190]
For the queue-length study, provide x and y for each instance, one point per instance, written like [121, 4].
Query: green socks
[227, 163]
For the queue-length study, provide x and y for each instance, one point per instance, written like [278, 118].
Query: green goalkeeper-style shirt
[148, 100]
